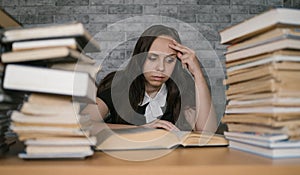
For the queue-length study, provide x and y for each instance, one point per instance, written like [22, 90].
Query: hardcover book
[46, 55]
[72, 30]
[259, 24]
[143, 138]
[36, 79]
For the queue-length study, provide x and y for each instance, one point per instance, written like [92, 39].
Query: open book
[143, 138]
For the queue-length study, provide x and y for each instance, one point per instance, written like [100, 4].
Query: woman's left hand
[188, 58]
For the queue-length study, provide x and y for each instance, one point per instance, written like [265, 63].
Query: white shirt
[153, 109]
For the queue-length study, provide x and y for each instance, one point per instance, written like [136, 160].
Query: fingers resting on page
[161, 124]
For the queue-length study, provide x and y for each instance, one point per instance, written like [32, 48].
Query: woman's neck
[151, 90]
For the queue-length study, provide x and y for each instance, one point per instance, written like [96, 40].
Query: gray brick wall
[200, 18]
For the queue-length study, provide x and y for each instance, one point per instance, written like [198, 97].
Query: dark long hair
[180, 84]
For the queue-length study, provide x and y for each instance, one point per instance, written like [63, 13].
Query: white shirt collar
[153, 109]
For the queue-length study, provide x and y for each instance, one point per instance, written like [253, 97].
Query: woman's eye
[170, 59]
[152, 57]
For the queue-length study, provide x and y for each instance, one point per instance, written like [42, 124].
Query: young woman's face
[160, 62]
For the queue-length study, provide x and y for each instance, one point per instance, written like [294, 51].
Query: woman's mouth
[158, 78]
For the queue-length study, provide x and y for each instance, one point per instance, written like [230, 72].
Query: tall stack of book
[263, 84]
[9, 100]
[50, 63]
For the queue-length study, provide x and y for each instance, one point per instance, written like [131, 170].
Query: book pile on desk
[263, 80]
[9, 100]
[50, 63]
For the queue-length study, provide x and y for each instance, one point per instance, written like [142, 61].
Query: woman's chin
[156, 83]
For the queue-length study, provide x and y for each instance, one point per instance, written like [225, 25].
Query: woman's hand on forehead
[187, 57]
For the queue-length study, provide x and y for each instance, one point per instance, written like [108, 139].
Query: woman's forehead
[161, 45]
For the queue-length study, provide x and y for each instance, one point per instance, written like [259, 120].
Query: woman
[161, 87]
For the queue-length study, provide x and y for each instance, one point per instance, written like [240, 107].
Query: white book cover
[266, 152]
[77, 30]
[264, 109]
[80, 155]
[266, 144]
[262, 49]
[272, 58]
[259, 24]
[266, 137]
[47, 43]
[37, 79]
[62, 141]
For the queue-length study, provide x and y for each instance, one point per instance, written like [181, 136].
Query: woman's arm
[97, 111]
[206, 120]
[202, 118]
[102, 108]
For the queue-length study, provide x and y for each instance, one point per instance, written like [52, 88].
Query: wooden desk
[217, 160]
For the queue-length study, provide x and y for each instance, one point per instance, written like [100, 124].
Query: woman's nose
[160, 65]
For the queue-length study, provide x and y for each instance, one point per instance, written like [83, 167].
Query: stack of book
[263, 83]
[50, 63]
[9, 100]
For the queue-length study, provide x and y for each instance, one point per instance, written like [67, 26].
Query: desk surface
[208, 160]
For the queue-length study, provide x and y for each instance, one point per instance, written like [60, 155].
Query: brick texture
[116, 24]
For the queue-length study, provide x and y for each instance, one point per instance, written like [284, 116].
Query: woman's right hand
[161, 124]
